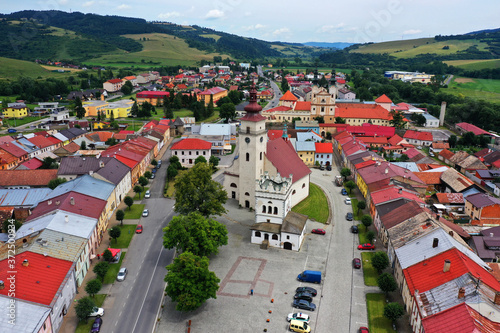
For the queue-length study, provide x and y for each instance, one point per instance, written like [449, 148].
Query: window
[303, 185]
[261, 156]
[204, 153]
[293, 192]
[182, 153]
[248, 130]
[275, 237]
[257, 234]
[182, 160]
[197, 153]
[247, 194]
[275, 210]
[263, 209]
[189, 152]
[287, 237]
[248, 157]
[269, 210]
[233, 185]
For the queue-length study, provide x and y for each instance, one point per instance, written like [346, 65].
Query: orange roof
[6, 158]
[288, 96]
[383, 99]
[324, 147]
[302, 106]
[447, 154]
[27, 177]
[364, 111]
[192, 144]
[430, 178]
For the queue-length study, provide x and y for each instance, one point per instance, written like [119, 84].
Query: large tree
[93, 287]
[397, 119]
[350, 185]
[189, 282]
[345, 172]
[100, 269]
[227, 111]
[386, 283]
[115, 232]
[380, 261]
[56, 182]
[120, 215]
[393, 311]
[195, 233]
[195, 191]
[79, 109]
[127, 88]
[84, 307]
[129, 201]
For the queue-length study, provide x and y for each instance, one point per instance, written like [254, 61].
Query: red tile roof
[32, 164]
[450, 198]
[386, 170]
[39, 282]
[27, 177]
[274, 134]
[324, 148]
[430, 178]
[371, 130]
[284, 158]
[40, 141]
[395, 140]
[152, 94]
[115, 81]
[383, 99]
[302, 106]
[393, 193]
[6, 158]
[191, 144]
[212, 91]
[447, 154]
[72, 147]
[364, 164]
[279, 108]
[429, 273]
[400, 214]
[288, 96]
[373, 140]
[13, 149]
[418, 135]
[363, 111]
[472, 128]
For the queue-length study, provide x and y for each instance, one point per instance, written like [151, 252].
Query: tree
[83, 145]
[196, 191]
[107, 255]
[452, 140]
[284, 85]
[128, 201]
[84, 307]
[127, 88]
[155, 162]
[380, 261]
[227, 111]
[100, 269]
[111, 142]
[171, 172]
[235, 97]
[361, 205]
[189, 282]
[93, 287]
[339, 120]
[223, 100]
[134, 111]
[138, 189]
[195, 233]
[345, 172]
[167, 108]
[174, 161]
[148, 174]
[350, 185]
[6, 224]
[370, 236]
[120, 215]
[397, 119]
[320, 119]
[200, 159]
[214, 161]
[418, 119]
[386, 283]
[210, 107]
[115, 232]
[366, 220]
[394, 311]
[49, 163]
[56, 182]
[143, 181]
[79, 109]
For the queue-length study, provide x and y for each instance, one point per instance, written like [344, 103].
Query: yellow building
[16, 110]
[216, 92]
[306, 150]
[119, 109]
[93, 107]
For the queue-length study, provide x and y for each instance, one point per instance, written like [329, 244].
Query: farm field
[158, 49]
[297, 69]
[11, 69]
[474, 64]
[484, 89]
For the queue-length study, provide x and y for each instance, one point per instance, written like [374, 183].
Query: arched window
[303, 185]
[261, 156]
[247, 194]
[263, 209]
[234, 185]
[275, 210]
[293, 192]
[275, 237]
[248, 157]
[257, 234]
[269, 209]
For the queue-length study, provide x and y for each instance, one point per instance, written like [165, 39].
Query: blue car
[12, 130]
[96, 326]
[344, 192]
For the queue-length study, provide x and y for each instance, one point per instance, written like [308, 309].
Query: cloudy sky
[298, 20]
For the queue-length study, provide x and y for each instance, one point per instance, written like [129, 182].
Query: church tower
[252, 147]
[323, 103]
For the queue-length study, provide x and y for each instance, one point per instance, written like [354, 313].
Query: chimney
[491, 234]
[461, 292]
[25, 263]
[101, 164]
[447, 265]
[386, 170]
[2, 285]
[442, 113]
[66, 218]
[400, 191]
[49, 202]
[435, 242]
[72, 201]
[497, 298]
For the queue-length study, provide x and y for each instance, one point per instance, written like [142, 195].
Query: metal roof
[23, 197]
[85, 185]
[29, 316]
[215, 129]
[59, 245]
[305, 146]
[65, 222]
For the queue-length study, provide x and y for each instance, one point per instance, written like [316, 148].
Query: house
[358, 114]
[346, 94]
[132, 79]
[113, 85]
[445, 155]
[30, 317]
[466, 127]
[454, 182]
[15, 110]
[487, 244]
[419, 138]
[15, 179]
[153, 97]
[483, 208]
[118, 174]
[119, 109]
[306, 151]
[430, 121]
[189, 149]
[470, 164]
[215, 94]
[437, 147]
[453, 202]
[398, 215]
[288, 99]
[324, 153]
[431, 179]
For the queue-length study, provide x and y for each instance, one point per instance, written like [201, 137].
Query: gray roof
[309, 135]
[215, 129]
[294, 223]
[481, 249]
[24, 144]
[267, 227]
[114, 171]
[421, 248]
[78, 165]
[73, 132]
[29, 316]
[85, 185]
[74, 224]
[481, 200]
[305, 146]
[411, 228]
[455, 180]
[59, 245]
[429, 116]
[386, 207]
[412, 166]
[23, 197]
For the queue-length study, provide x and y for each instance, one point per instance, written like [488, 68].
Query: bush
[380, 261]
[370, 235]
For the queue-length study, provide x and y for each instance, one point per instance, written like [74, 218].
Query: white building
[188, 150]
[430, 120]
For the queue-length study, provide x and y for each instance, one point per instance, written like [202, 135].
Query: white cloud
[214, 14]
[88, 3]
[62, 2]
[341, 27]
[281, 31]
[412, 32]
[169, 15]
[123, 6]
[254, 27]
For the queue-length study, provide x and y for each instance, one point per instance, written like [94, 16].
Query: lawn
[111, 274]
[376, 320]
[134, 127]
[139, 196]
[474, 64]
[13, 69]
[354, 204]
[369, 273]
[315, 205]
[485, 89]
[135, 212]
[362, 234]
[122, 242]
[83, 327]
[20, 122]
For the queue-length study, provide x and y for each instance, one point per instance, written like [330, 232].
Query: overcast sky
[298, 20]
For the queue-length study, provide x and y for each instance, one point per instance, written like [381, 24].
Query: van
[299, 326]
[310, 276]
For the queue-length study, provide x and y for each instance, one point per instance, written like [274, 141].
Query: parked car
[354, 229]
[97, 312]
[356, 263]
[12, 130]
[318, 231]
[347, 201]
[159, 164]
[310, 290]
[122, 273]
[298, 316]
[303, 304]
[329, 168]
[419, 147]
[96, 326]
[344, 192]
[147, 194]
[138, 230]
[349, 216]
[364, 330]
[152, 176]
[145, 213]
[322, 167]
[431, 154]
[304, 295]
[366, 246]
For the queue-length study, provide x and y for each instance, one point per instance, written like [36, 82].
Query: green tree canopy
[227, 111]
[418, 119]
[93, 287]
[235, 96]
[196, 191]
[366, 220]
[339, 120]
[138, 189]
[350, 185]
[127, 88]
[397, 119]
[115, 232]
[171, 172]
[79, 109]
[361, 205]
[200, 159]
[195, 233]
[100, 269]
[189, 282]
[386, 283]
[84, 307]
[6, 224]
[56, 182]
[214, 161]
[128, 201]
[380, 261]
[107, 255]
[394, 311]
[345, 172]
[120, 215]
[143, 181]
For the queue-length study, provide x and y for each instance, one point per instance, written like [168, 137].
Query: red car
[366, 246]
[356, 263]
[364, 330]
[318, 231]
[138, 230]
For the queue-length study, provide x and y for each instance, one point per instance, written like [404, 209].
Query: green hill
[12, 69]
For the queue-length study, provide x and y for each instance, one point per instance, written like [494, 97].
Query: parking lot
[272, 274]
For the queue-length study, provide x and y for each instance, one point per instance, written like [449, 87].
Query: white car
[122, 273]
[148, 194]
[298, 316]
[347, 201]
[97, 312]
[145, 213]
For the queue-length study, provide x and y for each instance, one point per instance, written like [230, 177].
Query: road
[133, 304]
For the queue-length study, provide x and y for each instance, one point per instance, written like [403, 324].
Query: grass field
[19, 122]
[158, 49]
[315, 205]
[122, 242]
[139, 196]
[376, 320]
[485, 89]
[111, 274]
[411, 47]
[12, 69]
[370, 274]
[474, 64]
[134, 213]
[84, 327]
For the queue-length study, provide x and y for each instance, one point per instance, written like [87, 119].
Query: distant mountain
[338, 45]
[483, 31]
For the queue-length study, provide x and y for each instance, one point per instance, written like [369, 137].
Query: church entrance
[266, 237]
[247, 204]
[233, 195]
[287, 246]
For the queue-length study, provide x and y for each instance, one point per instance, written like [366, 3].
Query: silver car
[122, 273]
